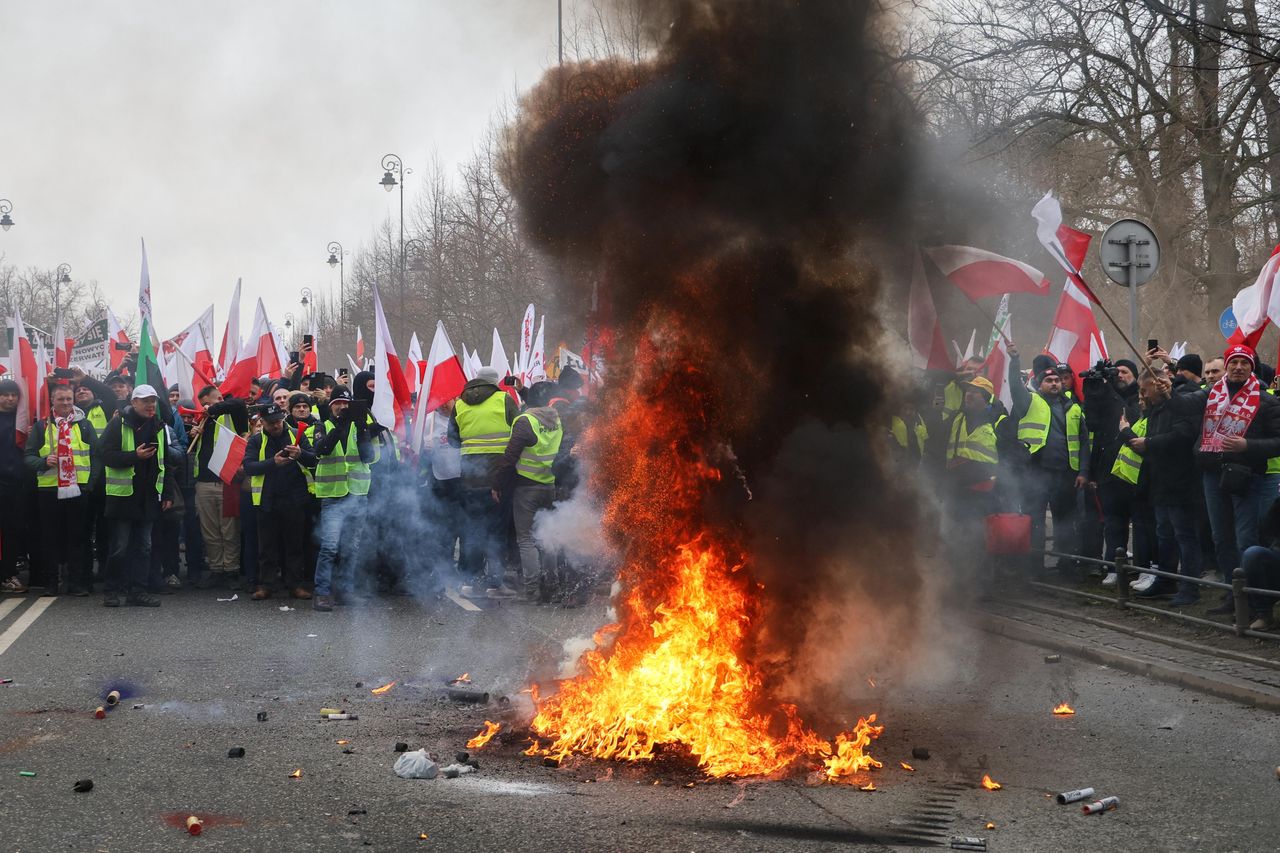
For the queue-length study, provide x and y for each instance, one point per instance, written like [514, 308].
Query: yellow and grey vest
[341, 472]
[977, 446]
[536, 460]
[48, 478]
[97, 417]
[120, 480]
[952, 399]
[1128, 461]
[256, 481]
[1033, 429]
[483, 428]
[898, 429]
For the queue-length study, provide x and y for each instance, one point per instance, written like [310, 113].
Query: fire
[297, 774]
[465, 678]
[1064, 710]
[675, 671]
[906, 766]
[490, 729]
[342, 742]
[378, 691]
[990, 784]
[870, 786]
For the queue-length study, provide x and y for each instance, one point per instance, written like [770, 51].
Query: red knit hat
[1241, 351]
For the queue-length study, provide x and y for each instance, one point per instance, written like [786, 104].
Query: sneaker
[1110, 579]
[110, 599]
[173, 582]
[12, 585]
[469, 591]
[1184, 599]
[502, 591]
[142, 600]
[1263, 623]
[322, 603]
[1143, 582]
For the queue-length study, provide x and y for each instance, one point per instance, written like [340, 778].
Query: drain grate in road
[930, 823]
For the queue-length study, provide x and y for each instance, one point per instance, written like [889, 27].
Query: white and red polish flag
[260, 356]
[41, 388]
[22, 369]
[228, 452]
[230, 335]
[359, 347]
[498, 357]
[996, 367]
[116, 335]
[1067, 245]
[62, 346]
[1075, 337]
[390, 393]
[1258, 304]
[442, 382]
[413, 364]
[193, 343]
[924, 332]
[526, 344]
[979, 273]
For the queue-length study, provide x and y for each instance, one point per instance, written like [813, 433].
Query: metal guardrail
[1123, 596]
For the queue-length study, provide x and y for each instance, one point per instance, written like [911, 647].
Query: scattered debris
[422, 836]
[1106, 804]
[297, 774]
[82, 786]
[461, 757]
[1064, 710]
[343, 716]
[235, 752]
[968, 842]
[1074, 796]
[348, 751]
[324, 712]
[27, 773]
[465, 678]
[284, 608]
[907, 767]
[453, 771]
[990, 825]
[195, 825]
[359, 684]
[342, 742]
[401, 746]
[6, 681]
[353, 812]
[312, 636]
[490, 729]
[989, 783]
[472, 763]
[262, 716]
[920, 752]
[99, 713]
[461, 694]
[1053, 658]
[378, 691]
[139, 706]
[415, 765]
[234, 597]
[113, 698]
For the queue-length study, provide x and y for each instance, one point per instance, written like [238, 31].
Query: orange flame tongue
[465, 678]
[990, 784]
[490, 729]
[1064, 710]
[378, 691]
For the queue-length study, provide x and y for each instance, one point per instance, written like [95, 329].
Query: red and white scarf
[67, 485]
[1229, 417]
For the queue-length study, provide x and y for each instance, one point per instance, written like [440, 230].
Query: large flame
[678, 672]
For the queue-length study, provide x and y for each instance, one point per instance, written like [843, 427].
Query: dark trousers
[97, 536]
[129, 561]
[1178, 544]
[1262, 571]
[164, 549]
[484, 536]
[192, 537]
[248, 540]
[1054, 491]
[442, 508]
[1120, 509]
[281, 533]
[62, 536]
[13, 528]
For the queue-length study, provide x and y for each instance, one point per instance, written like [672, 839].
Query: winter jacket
[1170, 475]
[477, 470]
[239, 414]
[39, 448]
[13, 471]
[283, 486]
[1262, 436]
[504, 475]
[1102, 411]
[144, 503]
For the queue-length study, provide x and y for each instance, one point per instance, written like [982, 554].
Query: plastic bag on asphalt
[415, 765]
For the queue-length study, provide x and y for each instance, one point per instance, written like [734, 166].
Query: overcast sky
[237, 137]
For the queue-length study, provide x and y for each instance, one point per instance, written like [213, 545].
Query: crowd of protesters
[124, 486]
[1174, 465]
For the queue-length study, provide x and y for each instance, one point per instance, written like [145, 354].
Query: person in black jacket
[1239, 431]
[1110, 404]
[134, 499]
[276, 462]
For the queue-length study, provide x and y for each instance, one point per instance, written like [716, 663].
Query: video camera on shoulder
[1104, 370]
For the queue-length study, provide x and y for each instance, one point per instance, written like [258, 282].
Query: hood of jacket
[545, 415]
[477, 391]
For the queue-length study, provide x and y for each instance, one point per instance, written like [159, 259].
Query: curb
[1222, 686]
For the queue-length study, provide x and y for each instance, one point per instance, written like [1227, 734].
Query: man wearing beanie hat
[1187, 372]
[481, 427]
[1239, 433]
[1051, 425]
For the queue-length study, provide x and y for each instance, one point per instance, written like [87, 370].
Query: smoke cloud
[729, 202]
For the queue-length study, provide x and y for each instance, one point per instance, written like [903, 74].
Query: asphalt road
[1191, 772]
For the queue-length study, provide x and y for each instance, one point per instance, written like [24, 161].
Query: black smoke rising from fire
[745, 180]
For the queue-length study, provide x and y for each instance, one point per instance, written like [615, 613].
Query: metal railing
[1123, 598]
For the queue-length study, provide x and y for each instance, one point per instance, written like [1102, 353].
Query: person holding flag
[138, 490]
[220, 531]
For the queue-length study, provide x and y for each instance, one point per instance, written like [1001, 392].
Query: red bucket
[1008, 533]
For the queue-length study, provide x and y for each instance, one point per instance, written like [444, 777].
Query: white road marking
[24, 621]
[460, 601]
[8, 605]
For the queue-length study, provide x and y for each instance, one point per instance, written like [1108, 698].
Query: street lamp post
[61, 276]
[336, 255]
[308, 299]
[391, 166]
[6, 207]
[288, 324]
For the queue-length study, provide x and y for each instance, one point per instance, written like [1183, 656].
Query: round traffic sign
[1129, 242]
[1227, 323]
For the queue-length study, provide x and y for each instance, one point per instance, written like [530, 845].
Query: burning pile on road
[716, 209]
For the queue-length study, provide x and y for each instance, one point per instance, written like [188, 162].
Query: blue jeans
[129, 559]
[1239, 513]
[1262, 571]
[336, 515]
[1178, 544]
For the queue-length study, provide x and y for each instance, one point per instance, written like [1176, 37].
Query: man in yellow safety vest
[343, 454]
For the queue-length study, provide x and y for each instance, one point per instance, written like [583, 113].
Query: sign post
[1130, 254]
